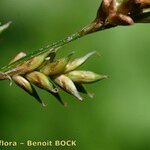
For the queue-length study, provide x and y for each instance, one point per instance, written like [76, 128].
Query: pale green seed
[33, 63]
[17, 57]
[80, 76]
[72, 65]
[56, 67]
[4, 27]
[24, 84]
[41, 80]
[65, 83]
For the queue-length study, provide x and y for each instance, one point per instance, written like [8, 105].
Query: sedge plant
[42, 69]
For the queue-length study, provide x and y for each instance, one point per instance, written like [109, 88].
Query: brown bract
[112, 13]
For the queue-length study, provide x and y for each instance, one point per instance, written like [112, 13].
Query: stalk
[86, 30]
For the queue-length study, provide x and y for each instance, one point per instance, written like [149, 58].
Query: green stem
[41, 50]
[88, 29]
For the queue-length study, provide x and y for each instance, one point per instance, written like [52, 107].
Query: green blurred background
[118, 118]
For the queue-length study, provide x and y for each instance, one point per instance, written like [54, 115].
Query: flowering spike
[72, 65]
[80, 76]
[41, 80]
[17, 57]
[43, 71]
[66, 84]
[111, 13]
[24, 84]
[56, 67]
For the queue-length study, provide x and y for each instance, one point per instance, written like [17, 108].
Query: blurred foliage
[117, 118]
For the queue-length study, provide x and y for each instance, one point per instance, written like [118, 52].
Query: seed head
[49, 74]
